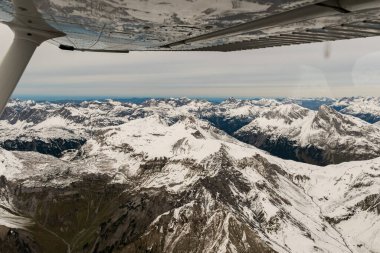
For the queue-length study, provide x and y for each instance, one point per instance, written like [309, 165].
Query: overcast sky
[353, 68]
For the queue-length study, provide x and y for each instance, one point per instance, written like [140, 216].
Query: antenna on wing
[327, 50]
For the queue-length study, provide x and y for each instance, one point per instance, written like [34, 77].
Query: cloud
[287, 71]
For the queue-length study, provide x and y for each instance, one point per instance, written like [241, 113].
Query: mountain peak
[231, 100]
[327, 109]
[286, 112]
[328, 117]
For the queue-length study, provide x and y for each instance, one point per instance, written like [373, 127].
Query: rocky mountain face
[163, 176]
[318, 137]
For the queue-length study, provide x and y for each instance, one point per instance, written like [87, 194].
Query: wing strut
[30, 30]
[13, 66]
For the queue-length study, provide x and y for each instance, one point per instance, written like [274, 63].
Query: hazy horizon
[58, 98]
[295, 71]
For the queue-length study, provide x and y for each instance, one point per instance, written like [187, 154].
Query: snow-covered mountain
[365, 108]
[155, 177]
[284, 129]
[348, 199]
[310, 103]
[319, 137]
[26, 125]
[151, 185]
[232, 114]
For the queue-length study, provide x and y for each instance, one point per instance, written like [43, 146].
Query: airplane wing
[199, 25]
[121, 26]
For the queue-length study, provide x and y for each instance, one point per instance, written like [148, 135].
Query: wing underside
[198, 25]
[343, 31]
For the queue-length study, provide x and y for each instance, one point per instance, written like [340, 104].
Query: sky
[351, 69]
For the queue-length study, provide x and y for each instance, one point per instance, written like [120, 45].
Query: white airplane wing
[200, 25]
[121, 26]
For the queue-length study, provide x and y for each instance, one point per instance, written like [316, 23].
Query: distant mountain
[309, 103]
[64, 126]
[284, 129]
[151, 185]
[318, 137]
[232, 114]
[365, 108]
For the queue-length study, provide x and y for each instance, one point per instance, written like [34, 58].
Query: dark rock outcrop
[55, 147]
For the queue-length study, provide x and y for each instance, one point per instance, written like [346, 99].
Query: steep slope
[348, 195]
[323, 137]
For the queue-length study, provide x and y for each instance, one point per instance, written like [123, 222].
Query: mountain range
[184, 175]
[319, 137]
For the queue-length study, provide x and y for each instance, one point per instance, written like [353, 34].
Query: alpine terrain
[187, 175]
